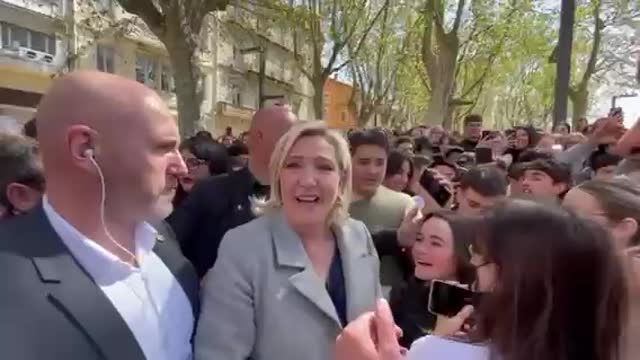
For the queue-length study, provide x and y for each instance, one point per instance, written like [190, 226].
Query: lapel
[168, 251]
[72, 291]
[290, 253]
[354, 261]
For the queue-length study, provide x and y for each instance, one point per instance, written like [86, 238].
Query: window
[19, 36]
[236, 53]
[236, 95]
[14, 36]
[4, 29]
[105, 59]
[166, 80]
[146, 69]
[38, 41]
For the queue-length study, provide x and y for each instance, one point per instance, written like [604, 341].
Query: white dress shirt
[436, 348]
[149, 298]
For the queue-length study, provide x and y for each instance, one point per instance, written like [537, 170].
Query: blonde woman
[286, 283]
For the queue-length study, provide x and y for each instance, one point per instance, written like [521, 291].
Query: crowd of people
[296, 241]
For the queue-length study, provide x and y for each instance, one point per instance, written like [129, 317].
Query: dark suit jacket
[213, 207]
[50, 308]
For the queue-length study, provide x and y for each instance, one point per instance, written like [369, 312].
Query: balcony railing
[51, 8]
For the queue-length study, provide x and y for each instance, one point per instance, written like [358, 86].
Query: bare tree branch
[148, 12]
[360, 42]
[458, 19]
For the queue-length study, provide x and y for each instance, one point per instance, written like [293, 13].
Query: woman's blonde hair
[300, 130]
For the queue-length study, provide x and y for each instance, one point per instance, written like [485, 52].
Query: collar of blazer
[72, 291]
[352, 240]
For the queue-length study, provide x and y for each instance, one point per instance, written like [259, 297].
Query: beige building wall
[88, 32]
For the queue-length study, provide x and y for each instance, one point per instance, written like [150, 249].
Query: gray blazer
[263, 299]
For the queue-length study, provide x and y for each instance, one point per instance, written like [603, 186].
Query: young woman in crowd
[204, 157]
[440, 252]
[438, 136]
[615, 204]
[399, 170]
[286, 283]
[523, 137]
[562, 129]
[556, 291]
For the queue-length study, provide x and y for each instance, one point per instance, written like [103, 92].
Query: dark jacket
[214, 206]
[409, 304]
[386, 243]
[50, 308]
[468, 145]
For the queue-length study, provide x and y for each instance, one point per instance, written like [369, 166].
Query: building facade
[338, 111]
[32, 50]
[106, 38]
[241, 61]
[248, 50]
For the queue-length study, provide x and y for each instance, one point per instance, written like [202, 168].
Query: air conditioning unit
[35, 55]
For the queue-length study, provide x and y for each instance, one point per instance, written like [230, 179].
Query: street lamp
[616, 97]
[261, 74]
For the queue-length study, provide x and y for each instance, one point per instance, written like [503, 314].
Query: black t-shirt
[468, 145]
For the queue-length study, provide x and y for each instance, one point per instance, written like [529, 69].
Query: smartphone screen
[439, 193]
[484, 155]
[448, 299]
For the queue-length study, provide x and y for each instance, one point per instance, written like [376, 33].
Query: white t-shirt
[436, 348]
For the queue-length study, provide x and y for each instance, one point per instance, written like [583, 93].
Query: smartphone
[439, 193]
[616, 111]
[448, 299]
[486, 133]
[484, 156]
[509, 132]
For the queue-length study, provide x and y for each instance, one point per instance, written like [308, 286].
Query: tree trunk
[187, 77]
[441, 86]
[580, 104]
[318, 97]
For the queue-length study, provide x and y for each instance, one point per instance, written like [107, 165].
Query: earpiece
[88, 153]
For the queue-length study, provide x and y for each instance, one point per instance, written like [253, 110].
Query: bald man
[221, 203]
[85, 275]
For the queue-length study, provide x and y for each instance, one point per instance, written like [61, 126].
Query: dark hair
[214, 153]
[368, 137]
[453, 149]
[561, 291]
[619, 198]
[528, 155]
[403, 139]
[533, 135]
[472, 118]
[566, 124]
[238, 148]
[203, 134]
[598, 160]
[559, 172]
[30, 129]
[19, 157]
[532, 154]
[423, 144]
[485, 180]
[439, 160]
[395, 161]
[462, 230]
